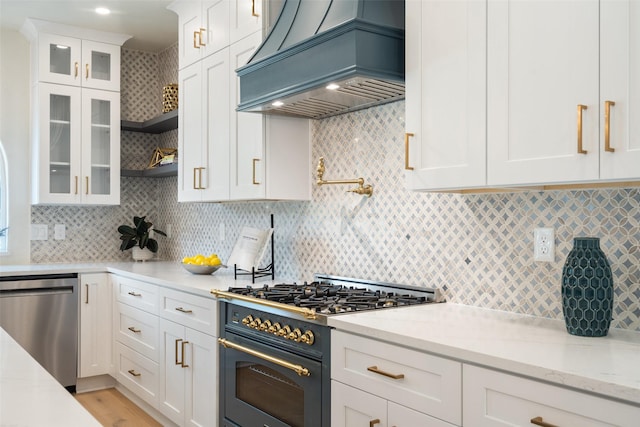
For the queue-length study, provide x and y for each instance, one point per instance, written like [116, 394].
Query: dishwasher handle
[7, 293]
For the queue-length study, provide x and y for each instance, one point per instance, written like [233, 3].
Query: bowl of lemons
[200, 264]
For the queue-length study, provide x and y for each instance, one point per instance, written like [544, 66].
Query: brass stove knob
[307, 338]
[295, 335]
[284, 332]
[247, 320]
[255, 324]
[265, 325]
[273, 329]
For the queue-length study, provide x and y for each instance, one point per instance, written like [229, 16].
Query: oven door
[259, 387]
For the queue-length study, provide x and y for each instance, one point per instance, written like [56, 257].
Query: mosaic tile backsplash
[477, 248]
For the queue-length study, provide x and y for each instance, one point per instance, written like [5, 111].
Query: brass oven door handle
[306, 312]
[406, 151]
[254, 172]
[580, 109]
[538, 421]
[607, 126]
[300, 370]
[375, 370]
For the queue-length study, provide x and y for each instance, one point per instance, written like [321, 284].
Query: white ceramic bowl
[201, 269]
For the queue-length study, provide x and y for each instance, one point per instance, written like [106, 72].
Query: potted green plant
[138, 238]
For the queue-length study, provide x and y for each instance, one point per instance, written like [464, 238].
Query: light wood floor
[112, 409]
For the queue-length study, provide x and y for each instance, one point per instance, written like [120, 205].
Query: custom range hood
[354, 47]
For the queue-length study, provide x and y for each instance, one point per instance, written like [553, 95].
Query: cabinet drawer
[139, 330]
[138, 373]
[423, 382]
[193, 311]
[496, 399]
[136, 293]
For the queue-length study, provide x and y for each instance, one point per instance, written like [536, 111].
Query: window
[4, 202]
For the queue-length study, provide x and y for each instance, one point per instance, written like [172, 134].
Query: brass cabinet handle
[254, 172]
[200, 187]
[86, 183]
[76, 179]
[86, 71]
[194, 178]
[86, 298]
[607, 126]
[76, 69]
[195, 34]
[406, 151]
[375, 370]
[134, 373]
[184, 365]
[580, 109]
[176, 352]
[300, 370]
[200, 37]
[134, 294]
[374, 422]
[253, 8]
[182, 310]
[134, 330]
[538, 421]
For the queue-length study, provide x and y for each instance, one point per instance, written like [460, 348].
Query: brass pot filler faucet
[361, 189]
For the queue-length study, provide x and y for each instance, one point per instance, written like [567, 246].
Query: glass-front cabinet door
[100, 147]
[57, 153]
[70, 61]
[77, 149]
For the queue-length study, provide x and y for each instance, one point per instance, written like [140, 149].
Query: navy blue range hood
[354, 47]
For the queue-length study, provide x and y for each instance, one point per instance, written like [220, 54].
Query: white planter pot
[142, 254]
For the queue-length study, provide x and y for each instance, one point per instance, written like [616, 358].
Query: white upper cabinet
[74, 56]
[619, 89]
[543, 64]
[207, 26]
[446, 94]
[559, 80]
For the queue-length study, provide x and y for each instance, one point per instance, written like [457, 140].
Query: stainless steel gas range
[275, 346]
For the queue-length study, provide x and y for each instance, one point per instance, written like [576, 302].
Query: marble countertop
[531, 346]
[30, 396]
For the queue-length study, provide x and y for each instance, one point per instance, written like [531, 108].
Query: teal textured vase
[587, 289]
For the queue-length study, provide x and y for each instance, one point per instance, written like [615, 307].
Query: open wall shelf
[165, 122]
[158, 172]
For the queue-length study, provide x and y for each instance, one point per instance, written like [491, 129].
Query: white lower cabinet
[166, 350]
[493, 398]
[188, 385]
[401, 385]
[353, 407]
[95, 325]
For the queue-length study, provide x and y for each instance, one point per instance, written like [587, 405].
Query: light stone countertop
[30, 396]
[531, 346]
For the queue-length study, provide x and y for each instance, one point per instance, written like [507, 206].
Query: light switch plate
[39, 232]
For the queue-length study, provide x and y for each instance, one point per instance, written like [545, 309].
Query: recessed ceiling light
[278, 104]
[102, 11]
[332, 86]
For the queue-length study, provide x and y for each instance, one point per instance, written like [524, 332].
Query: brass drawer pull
[182, 310]
[538, 421]
[607, 126]
[375, 370]
[134, 373]
[374, 422]
[406, 151]
[134, 294]
[580, 109]
[134, 330]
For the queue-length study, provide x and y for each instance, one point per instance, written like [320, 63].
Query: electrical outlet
[543, 245]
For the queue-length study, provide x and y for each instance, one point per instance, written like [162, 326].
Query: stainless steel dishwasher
[41, 313]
